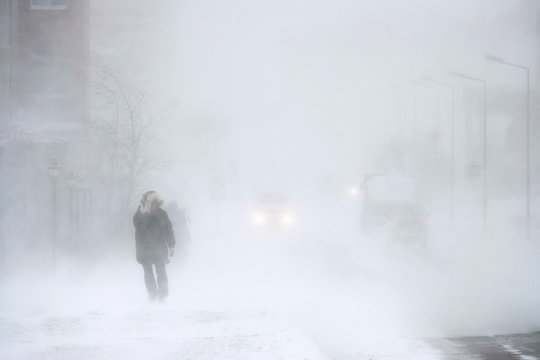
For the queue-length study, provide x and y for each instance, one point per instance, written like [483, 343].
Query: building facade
[44, 52]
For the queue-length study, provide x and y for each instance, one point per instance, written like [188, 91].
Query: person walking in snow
[180, 221]
[154, 242]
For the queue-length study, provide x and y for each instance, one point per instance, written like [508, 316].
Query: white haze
[296, 97]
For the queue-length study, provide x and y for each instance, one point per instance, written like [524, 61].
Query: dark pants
[159, 289]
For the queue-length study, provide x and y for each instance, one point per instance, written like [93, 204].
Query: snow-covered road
[153, 333]
[241, 301]
[162, 332]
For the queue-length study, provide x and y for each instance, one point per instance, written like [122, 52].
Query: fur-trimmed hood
[150, 201]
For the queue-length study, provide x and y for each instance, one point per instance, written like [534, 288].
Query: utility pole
[484, 152]
[452, 143]
[527, 135]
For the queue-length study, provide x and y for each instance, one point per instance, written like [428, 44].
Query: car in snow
[273, 211]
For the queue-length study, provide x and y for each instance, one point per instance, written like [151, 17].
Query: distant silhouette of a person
[180, 221]
[154, 241]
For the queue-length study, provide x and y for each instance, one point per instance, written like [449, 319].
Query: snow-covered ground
[226, 302]
[153, 333]
[285, 299]
[163, 332]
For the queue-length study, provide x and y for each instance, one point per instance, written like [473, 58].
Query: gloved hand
[171, 252]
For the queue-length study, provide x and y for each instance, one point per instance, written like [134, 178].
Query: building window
[4, 7]
[49, 4]
[4, 24]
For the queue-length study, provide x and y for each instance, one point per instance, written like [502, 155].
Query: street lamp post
[437, 109]
[484, 155]
[415, 106]
[452, 144]
[528, 136]
[387, 94]
[71, 178]
[54, 174]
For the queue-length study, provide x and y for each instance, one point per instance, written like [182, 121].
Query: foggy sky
[304, 74]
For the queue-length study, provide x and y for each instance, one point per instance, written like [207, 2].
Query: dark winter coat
[153, 236]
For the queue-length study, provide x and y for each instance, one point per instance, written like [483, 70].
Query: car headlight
[286, 219]
[259, 219]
